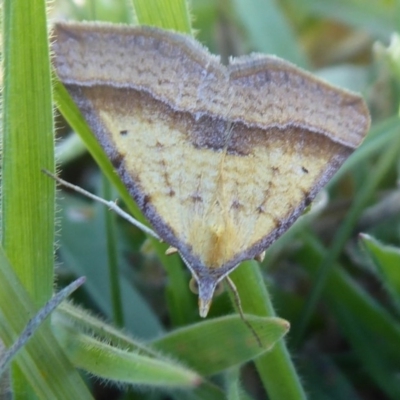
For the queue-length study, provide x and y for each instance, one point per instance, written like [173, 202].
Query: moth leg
[171, 250]
[260, 257]
[193, 285]
[112, 205]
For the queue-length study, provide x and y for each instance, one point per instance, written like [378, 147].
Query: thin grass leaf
[36, 321]
[121, 365]
[41, 361]
[198, 345]
[387, 260]
[69, 317]
[75, 318]
[112, 252]
[234, 389]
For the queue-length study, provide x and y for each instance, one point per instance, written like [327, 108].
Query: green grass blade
[167, 14]
[35, 322]
[233, 385]
[71, 317]
[27, 199]
[41, 361]
[122, 359]
[121, 365]
[199, 345]
[275, 368]
[112, 252]
[206, 390]
[28, 144]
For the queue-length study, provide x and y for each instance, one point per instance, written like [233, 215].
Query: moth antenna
[238, 303]
[112, 205]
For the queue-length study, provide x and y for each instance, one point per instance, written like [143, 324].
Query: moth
[221, 160]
